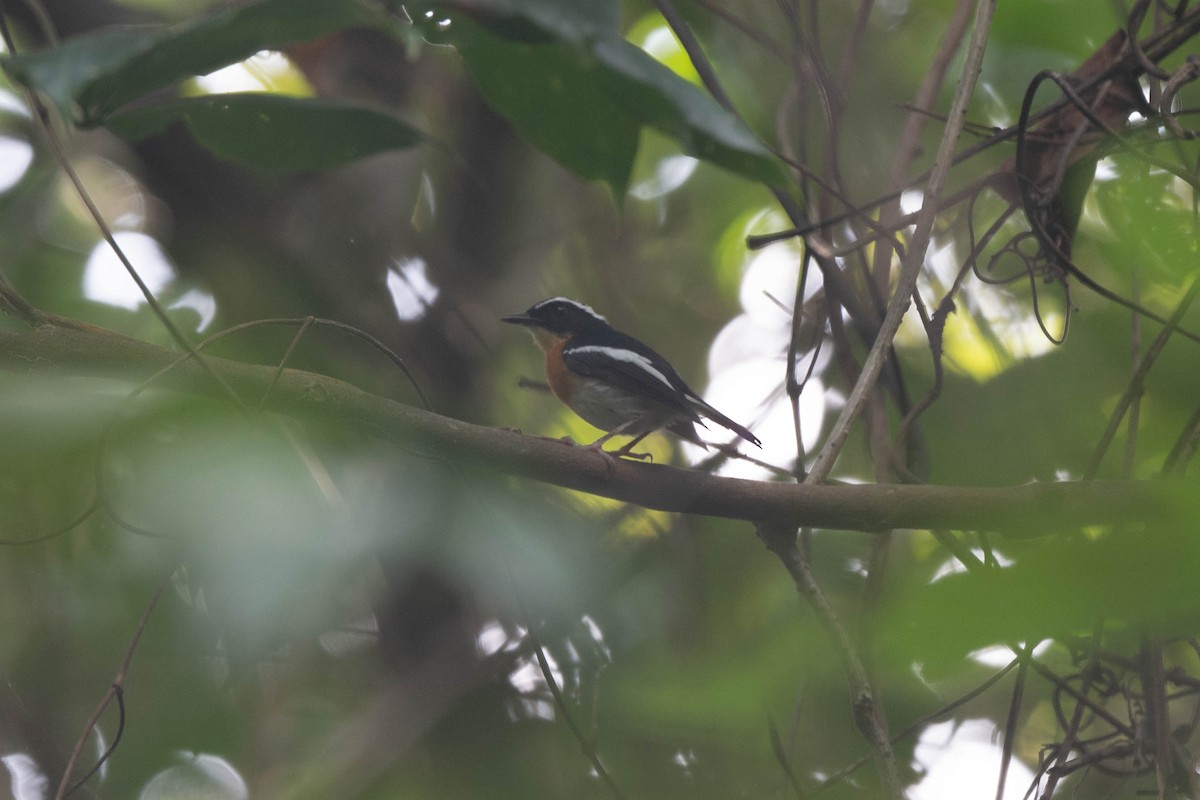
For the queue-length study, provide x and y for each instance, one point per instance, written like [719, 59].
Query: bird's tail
[687, 430]
[716, 416]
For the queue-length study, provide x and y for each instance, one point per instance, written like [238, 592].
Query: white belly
[607, 408]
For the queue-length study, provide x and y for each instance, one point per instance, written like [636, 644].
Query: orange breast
[561, 381]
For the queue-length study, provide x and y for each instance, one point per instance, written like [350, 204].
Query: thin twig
[910, 138]
[691, 46]
[793, 385]
[1071, 733]
[917, 724]
[906, 152]
[287, 355]
[114, 691]
[589, 750]
[12, 301]
[915, 257]
[781, 540]
[1098, 709]
[1184, 447]
[781, 757]
[1156, 47]
[1154, 690]
[737, 23]
[1135, 355]
[1137, 381]
[1010, 723]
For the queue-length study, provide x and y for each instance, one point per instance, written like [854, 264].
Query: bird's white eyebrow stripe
[629, 357]
[582, 307]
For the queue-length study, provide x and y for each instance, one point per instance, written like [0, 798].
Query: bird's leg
[624, 451]
[599, 443]
[617, 431]
[627, 450]
[611, 458]
[596, 445]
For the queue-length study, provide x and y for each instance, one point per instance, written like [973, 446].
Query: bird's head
[558, 318]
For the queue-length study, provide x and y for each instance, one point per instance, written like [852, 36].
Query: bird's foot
[625, 452]
[610, 460]
[610, 456]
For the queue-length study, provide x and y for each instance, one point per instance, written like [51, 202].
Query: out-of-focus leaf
[1033, 24]
[220, 40]
[534, 20]
[1144, 200]
[552, 97]
[272, 131]
[653, 34]
[658, 97]
[584, 103]
[103, 71]
[1005, 418]
[49, 427]
[1133, 580]
[63, 72]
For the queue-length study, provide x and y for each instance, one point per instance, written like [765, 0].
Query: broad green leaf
[533, 20]
[584, 103]
[272, 131]
[1131, 579]
[658, 97]
[63, 72]
[103, 71]
[552, 97]
[226, 38]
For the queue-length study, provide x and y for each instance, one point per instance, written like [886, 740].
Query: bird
[612, 380]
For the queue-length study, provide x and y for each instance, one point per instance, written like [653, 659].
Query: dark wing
[630, 365]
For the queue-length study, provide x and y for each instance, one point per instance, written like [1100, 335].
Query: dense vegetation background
[222, 581]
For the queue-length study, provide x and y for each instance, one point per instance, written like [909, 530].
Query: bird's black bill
[518, 319]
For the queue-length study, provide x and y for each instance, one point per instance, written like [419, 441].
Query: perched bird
[612, 380]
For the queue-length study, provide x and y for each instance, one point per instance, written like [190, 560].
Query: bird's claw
[610, 457]
[610, 461]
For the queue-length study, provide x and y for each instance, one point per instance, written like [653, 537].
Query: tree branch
[1026, 510]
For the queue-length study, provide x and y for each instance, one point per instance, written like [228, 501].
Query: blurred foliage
[99, 74]
[345, 619]
[245, 127]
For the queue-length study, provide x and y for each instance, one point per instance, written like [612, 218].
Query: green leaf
[274, 132]
[223, 39]
[1131, 579]
[552, 98]
[533, 20]
[63, 72]
[103, 71]
[658, 97]
[583, 98]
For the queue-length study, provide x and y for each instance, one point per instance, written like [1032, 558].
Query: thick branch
[1029, 509]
